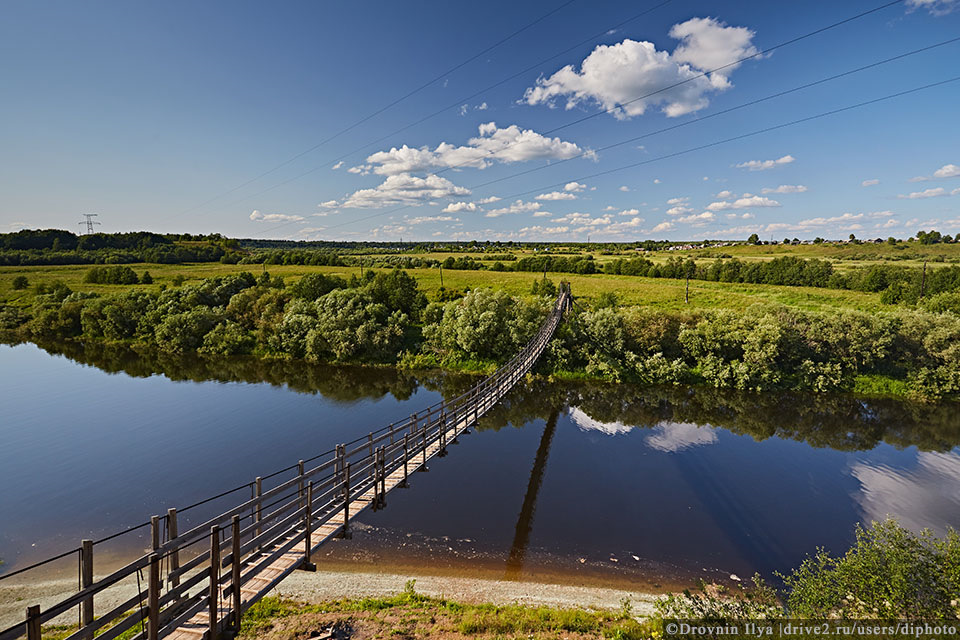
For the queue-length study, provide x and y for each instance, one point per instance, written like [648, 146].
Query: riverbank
[342, 583]
[414, 612]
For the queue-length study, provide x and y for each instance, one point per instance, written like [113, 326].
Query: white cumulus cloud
[869, 183]
[946, 171]
[506, 145]
[746, 202]
[935, 7]
[785, 188]
[457, 207]
[628, 77]
[926, 193]
[517, 207]
[404, 189]
[763, 165]
[256, 216]
[557, 195]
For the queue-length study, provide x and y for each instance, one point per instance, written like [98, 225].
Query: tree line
[57, 247]
[385, 318]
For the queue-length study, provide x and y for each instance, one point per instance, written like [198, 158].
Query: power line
[457, 103]
[676, 126]
[758, 54]
[660, 90]
[744, 105]
[386, 107]
[692, 149]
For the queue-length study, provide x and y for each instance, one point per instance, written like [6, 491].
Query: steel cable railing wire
[484, 393]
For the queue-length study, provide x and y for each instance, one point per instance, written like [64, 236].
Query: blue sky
[154, 115]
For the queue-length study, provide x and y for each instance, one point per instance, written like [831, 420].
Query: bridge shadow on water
[521, 537]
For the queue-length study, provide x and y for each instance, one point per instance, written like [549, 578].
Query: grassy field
[658, 293]
[843, 256]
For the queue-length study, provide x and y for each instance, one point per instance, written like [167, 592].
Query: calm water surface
[648, 482]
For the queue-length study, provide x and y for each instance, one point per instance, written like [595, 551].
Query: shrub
[185, 331]
[888, 573]
[20, 283]
[314, 285]
[111, 275]
[940, 303]
[228, 339]
[350, 326]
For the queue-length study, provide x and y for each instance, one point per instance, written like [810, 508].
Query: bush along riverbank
[384, 318]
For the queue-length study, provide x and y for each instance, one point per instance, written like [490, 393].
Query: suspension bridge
[198, 584]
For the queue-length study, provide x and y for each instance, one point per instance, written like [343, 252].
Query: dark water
[560, 477]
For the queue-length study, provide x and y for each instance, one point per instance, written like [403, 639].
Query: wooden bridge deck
[291, 560]
[258, 542]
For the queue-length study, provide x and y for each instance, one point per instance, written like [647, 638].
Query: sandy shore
[334, 584]
[328, 585]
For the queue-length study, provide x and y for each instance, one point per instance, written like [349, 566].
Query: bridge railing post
[213, 599]
[406, 458]
[442, 429]
[370, 450]
[86, 579]
[300, 482]
[375, 474]
[33, 622]
[235, 575]
[172, 533]
[383, 477]
[423, 437]
[346, 501]
[259, 507]
[153, 598]
[308, 529]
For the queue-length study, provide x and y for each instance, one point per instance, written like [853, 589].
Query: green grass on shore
[411, 615]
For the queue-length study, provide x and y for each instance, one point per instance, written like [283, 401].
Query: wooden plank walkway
[260, 541]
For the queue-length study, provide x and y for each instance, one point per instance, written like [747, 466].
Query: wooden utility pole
[441, 276]
[923, 282]
[686, 293]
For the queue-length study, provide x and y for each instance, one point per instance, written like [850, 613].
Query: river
[599, 483]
